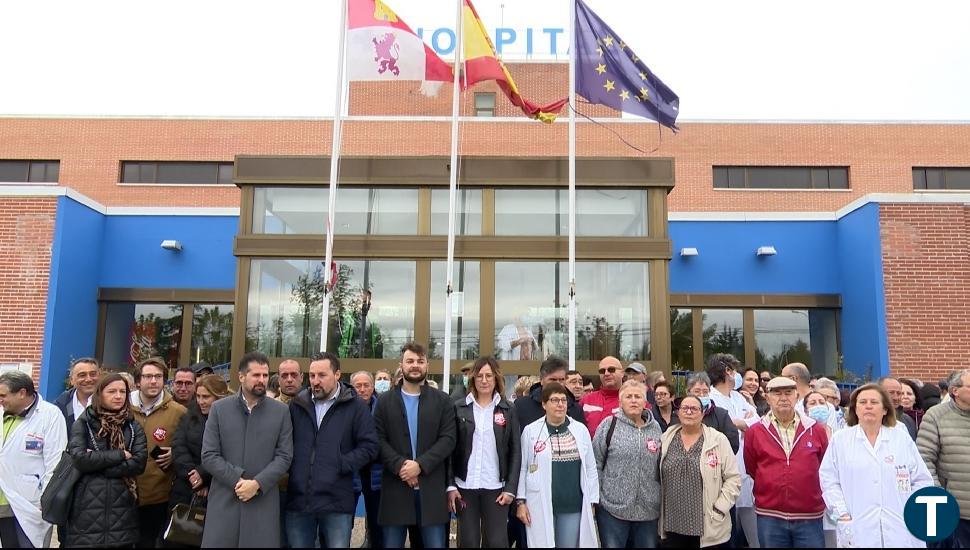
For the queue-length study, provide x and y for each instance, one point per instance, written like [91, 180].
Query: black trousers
[482, 523]
[151, 522]
[372, 505]
[12, 535]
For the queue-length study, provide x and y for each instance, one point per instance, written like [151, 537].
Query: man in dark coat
[528, 409]
[247, 447]
[85, 373]
[333, 437]
[416, 430]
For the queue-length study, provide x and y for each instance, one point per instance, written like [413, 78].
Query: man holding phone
[159, 415]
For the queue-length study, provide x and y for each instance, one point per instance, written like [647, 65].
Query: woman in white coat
[869, 471]
[558, 484]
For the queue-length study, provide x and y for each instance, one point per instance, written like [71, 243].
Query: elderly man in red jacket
[603, 403]
[783, 453]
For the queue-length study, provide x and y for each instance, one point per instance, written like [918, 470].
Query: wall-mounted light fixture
[687, 252]
[172, 244]
[766, 251]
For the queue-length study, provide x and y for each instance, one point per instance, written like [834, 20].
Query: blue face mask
[820, 413]
[382, 386]
[738, 380]
[705, 402]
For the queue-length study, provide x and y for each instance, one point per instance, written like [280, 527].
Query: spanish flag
[482, 63]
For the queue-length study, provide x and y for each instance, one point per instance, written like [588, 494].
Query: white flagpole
[573, 41]
[453, 190]
[334, 164]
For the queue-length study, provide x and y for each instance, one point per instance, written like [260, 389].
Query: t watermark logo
[931, 514]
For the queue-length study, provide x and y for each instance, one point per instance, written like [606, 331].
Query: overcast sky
[727, 59]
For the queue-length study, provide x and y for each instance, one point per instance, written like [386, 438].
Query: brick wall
[926, 267]
[880, 156]
[26, 234]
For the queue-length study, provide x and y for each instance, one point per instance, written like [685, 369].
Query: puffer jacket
[187, 456]
[103, 512]
[632, 450]
[944, 444]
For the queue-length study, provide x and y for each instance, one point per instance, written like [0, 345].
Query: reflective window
[532, 302]
[723, 332]
[465, 308]
[285, 306]
[135, 332]
[360, 211]
[681, 339]
[191, 173]
[39, 171]
[796, 336]
[545, 212]
[468, 209]
[211, 333]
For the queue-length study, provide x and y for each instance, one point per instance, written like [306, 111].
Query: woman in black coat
[190, 477]
[109, 449]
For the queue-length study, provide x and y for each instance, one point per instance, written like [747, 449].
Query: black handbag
[186, 524]
[55, 503]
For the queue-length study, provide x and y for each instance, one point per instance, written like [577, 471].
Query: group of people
[743, 458]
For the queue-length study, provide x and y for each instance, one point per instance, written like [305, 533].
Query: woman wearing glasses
[558, 484]
[699, 482]
[486, 460]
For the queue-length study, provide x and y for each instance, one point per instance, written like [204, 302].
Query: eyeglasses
[610, 370]
[184, 383]
[484, 376]
[558, 400]
[766, 380]
[690, 409]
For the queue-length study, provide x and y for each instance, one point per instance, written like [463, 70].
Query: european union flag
[609, 73]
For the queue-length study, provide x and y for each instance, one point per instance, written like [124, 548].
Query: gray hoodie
[630, 477]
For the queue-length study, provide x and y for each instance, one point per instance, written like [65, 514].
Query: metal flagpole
[572, 183]
[334, 164]
[453, 190]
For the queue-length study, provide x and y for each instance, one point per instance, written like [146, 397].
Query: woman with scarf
[109, 449]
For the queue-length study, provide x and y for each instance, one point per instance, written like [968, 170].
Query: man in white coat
[33, 437]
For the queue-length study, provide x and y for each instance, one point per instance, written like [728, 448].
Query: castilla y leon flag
[380, 46]
[482, 63]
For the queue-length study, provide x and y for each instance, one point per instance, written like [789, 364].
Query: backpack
[609, 439]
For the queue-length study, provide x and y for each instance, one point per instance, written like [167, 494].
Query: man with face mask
[783, 453]
[247, 447]
[460, 390]
[333, 437]
[382, 382]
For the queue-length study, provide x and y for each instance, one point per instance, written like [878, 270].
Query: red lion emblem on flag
[387, 51]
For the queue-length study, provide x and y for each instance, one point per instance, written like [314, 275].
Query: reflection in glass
[544, 212]
[285, 304]
[360, 211]
[612, 310]
[468, 218]
[211, 333]
[681, 339]
[723, 332]
[464, 327]
[135, 332]
[796, 335]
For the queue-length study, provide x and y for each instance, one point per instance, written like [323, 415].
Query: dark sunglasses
[766, 379]
[610, 370]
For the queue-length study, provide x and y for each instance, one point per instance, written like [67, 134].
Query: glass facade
[681, 339]
[135, 332]
[468, 212]
[612, 310]
[723, 332]
[360, 211]
[211, 333]
[371, 308]
[802, 336]
[545, 212]
[466, 299]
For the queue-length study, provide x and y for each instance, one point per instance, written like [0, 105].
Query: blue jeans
[615, 532]
[434, 536]
[303, 529]
[800, 533]
[566, 529]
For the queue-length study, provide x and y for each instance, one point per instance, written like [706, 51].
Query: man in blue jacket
[333, 437]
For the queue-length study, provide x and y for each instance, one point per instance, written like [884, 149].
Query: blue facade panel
[865, 343]
[134, 257]
[70, 327]
[726, 263]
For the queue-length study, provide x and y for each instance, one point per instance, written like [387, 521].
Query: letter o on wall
[436, 42]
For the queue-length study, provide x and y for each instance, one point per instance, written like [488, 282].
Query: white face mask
[738, 380]
[382, 386]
